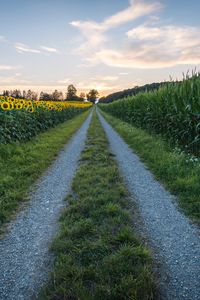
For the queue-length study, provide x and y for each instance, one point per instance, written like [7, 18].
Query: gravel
[25, 260]
[174, 240]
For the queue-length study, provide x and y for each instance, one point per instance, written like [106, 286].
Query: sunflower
[19, 106]
[5, 105]
[31, 109]
[12, 106]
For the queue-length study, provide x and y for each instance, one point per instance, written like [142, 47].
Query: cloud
[13, 80]
[105, 78]
[136, 9]
[173, 33]
[110, 78]
[22, 48]
[2, 39]
[9, 68]
[148, 57]
[64, 81]
[99, 86]
[94, 33]
[166, 45]
[18, 74]
[48, 49]
[123, 73]
[149, 45]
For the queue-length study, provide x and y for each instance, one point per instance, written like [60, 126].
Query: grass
[98, 256]
[179, 172]
[21, 164]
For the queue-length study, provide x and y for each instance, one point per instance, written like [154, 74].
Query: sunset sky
[109, 45]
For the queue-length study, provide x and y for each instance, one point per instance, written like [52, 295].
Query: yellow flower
[31, 109]
[12, 106]
[5, 105]
[2, 98]
[19, 106]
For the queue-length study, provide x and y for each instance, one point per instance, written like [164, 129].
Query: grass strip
[22, 163]
[179, 172]
[98, 256]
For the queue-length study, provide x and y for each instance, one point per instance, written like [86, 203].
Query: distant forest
[132, 91]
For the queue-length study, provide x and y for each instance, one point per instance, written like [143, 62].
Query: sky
[109, 45]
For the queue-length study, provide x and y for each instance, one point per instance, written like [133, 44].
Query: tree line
[131, 92]
[70, 95]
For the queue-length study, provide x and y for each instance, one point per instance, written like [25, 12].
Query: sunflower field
[172, 111]
[21, 119]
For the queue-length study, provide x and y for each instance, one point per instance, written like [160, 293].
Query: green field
[172, 111]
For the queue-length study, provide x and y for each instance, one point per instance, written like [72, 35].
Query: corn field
[172, 111]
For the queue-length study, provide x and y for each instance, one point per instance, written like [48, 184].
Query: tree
[92, 95]
[102, 99]
[34, 96]
[133, 91]
[57, 96]
[16, 94]
[24, 94]
[71, 92]
[45, 96]
[6, 93]
[29, 94]
[82, 96]
[41, 97]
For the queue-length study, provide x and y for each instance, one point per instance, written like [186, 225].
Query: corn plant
[173, 111]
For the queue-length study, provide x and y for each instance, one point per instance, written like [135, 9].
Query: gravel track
[175, 241]
[25, 260]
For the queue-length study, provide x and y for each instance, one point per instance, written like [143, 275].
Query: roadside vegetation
[97, 254]
[22, 164]
[172, 111]
[177, 170]
[22, 119]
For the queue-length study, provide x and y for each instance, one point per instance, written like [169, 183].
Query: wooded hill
[131, 92]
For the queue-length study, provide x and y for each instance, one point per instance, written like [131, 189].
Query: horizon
[108, 46]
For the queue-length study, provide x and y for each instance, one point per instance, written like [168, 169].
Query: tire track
[25, 260]
[175, 241]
